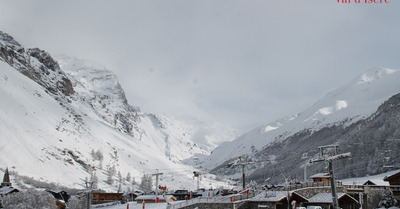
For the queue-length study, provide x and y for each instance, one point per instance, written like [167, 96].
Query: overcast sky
[237, 62]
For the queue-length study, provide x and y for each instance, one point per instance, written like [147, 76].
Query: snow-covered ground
[134, 205]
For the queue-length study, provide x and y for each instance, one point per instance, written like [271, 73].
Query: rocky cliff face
[99, 88]
[36, 64]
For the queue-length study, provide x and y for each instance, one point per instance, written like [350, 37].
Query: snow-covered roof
[372, 182]
[320, 175]
[376, 179]
[270, 196]
[6, 190]
[327, 197]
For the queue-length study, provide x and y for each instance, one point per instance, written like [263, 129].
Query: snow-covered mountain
[354, 101]
[341, 113]
[66, 120]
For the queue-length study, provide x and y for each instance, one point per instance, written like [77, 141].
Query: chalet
[320, 177]
[103, 197]
[132, 195]
[60, 195]
[325, 201]
[276, 200]
[394, 182]
[155, 199]
[6, 186]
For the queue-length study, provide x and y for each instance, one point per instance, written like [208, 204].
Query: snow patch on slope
[270, 128]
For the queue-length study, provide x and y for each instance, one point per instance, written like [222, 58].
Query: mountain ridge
[337, 119]
[355, 100]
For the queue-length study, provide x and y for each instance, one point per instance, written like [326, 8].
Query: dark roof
[59, 194]
[56, 191]
[369, 182]
[391, 177]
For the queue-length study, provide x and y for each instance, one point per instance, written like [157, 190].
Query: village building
[320, 177]
[276, 200]
[325, 201]
[394, 182]
[133, 195]
[103, 197]
[60, 194]
[6, 186]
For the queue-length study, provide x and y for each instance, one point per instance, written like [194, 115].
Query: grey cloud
[238, 62]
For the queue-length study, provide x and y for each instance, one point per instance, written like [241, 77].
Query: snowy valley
[64, 121]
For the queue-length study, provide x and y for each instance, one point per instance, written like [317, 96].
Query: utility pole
[287, 188]
[244, 162]
[157, 174]
[89, 188]
[305, 166]
[197, 175]
[330, 160]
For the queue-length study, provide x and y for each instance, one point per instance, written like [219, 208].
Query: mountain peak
[36, 64]
[4, 37]
[374, 74]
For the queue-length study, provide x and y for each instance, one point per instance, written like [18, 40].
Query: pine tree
[111, 173]
[119, 177]
[95, 180]
[147, 183]
[387, 200]
[128, 177]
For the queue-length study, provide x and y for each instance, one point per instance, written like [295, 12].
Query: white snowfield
[52, 140]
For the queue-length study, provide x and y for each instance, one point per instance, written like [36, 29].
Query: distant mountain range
[362, 117]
